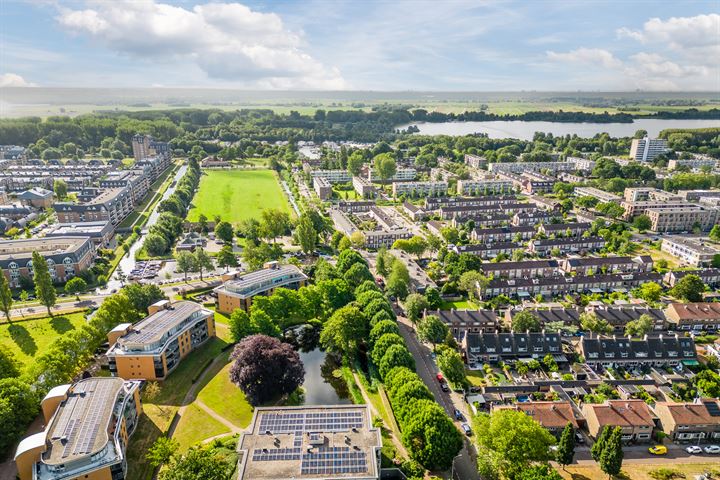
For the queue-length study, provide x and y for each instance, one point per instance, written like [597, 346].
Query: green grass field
[236, 195]
[195, 426]
[225, 398]
[27, 339]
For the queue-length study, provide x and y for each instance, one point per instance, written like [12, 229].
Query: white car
[712, 449]
[693, 450]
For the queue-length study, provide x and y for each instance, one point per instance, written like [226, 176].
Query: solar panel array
[712, 408]
[276, 454]
[154, 326]
[333, 461]
[302, 422]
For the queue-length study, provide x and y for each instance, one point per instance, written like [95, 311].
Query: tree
[382, 345]
[60, 188]
[203, 261]
[347, 259]
[344, 331]
[274, 223]
[398, 281]
[385, 166]
[415, 305]
[512, 441]
[264, 368]
[591, 323]
[224, 231]
[155, 244]
[432, 329]
[356, 160]
[600, 442]
[451, 365]
[542, 471]
[185, 263]
[566, 446]
[203, 223]
[240, 325]
[9, 366]
[642, 326]
[162, 451]
[197, 463]
[689, 288]
[6, 300]
[525, 321]
[642, 223]
[263, 324]
[381, 328]
[141, 296]
[357, 274]
[74, 286]
[412, 246]
[612, 455]
[395, 356]
[381, 263]
[226, 258]
[306, 234]
[649, 291]
[357, 239]
[430, 433]
[715, 234]
[472, 281]
[44, 289]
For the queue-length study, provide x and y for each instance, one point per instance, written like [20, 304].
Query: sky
[480, 45]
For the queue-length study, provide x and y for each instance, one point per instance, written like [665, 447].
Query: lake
[321, 387]
[526, 130]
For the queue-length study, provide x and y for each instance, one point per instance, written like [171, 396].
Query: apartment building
[690, 250]
[436, 203]
[451, 212]
[493, 347]
[238, 289]
[477, 187]
[524, 269]
[37, 197]
[322, 188]
[642, 194]
[137, 181]
[65, 256]
[687, 422]
[490, 250]
[534, 182]
[694, 316]
[578, 245]
[583, 164]
[553, 286]
[697, 195]
[310, 443]
[533, 217]
[364, 188]
[419, 189]
[155, 165]
[592, 265]
[153, 347]
[647, 149]
[693, 163]
[682, 219]
[553, 416]
[95, 205]
[413, 211]
[88, 429]
[402, 174]
[475, 161]
[332, 176]
[439, 174]
[632, 416]
[709, 276]
[652, 351]
[572, 229]
[520, 167]
[502, 234]
[483, 220]
[101, 233]
[144, 146]
[460, 322]
[601, 195]
[545, 203]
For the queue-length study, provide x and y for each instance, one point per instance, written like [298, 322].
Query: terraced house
[690, 422]
[155, 346]
[591, 265]
[88, 427]
[694, 316]
[493, 347]
[650, 351]
[632, 416]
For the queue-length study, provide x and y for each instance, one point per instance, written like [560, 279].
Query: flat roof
[80, 425]
[153, 327]
[10, 249]
[322, 442]
[260, 280]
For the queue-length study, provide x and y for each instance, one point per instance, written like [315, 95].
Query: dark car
[579, 438]
[458, 415]
[444, 387]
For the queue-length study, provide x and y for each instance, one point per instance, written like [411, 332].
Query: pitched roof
[691, 413]
[696, 311]
[547, 414]
[621, 413]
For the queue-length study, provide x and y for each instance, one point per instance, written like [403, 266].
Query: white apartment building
[440, 174]
[332, 176]
[475, 161]
[601, 195]
[692, 251]
[364, 188]
[402, 174]
[693, 163]
[419, 189]
[476, 187]
[646, 149]
[520, 167]
[682, 218]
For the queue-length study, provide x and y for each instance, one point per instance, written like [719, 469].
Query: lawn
[195, 426]
[225, 398]
[26, 339]
[458, 305]
[636, 471]
[237, 195]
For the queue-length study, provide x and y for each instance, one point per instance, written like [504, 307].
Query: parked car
[440, 378]
[694, 449]
[444, 387]
[458, 414]
[466, 428]
[714, 449]
[579, 438]
[658, 450]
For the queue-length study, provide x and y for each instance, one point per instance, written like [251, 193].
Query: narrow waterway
[321, 386]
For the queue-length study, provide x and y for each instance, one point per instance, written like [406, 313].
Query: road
[465, 466]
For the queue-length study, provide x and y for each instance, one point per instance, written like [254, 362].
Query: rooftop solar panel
[712, 408]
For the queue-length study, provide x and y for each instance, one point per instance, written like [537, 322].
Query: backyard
[237, 195]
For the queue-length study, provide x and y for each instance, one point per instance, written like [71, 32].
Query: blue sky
[363, 45]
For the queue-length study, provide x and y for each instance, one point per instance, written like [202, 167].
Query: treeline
[421, 115]
[21, 391]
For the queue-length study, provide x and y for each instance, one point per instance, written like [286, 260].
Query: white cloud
[13, 80]
[587, 55]
[228, 41]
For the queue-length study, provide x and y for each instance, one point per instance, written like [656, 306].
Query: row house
[709, 276]
[483, 220]
[385, 238]
[592, 265]
[579, 245]
[687, 422]
[524, 269]
[652, 351]
[545, 203]
[552, 416]
[436, 203]
[533, 217]
[355, 207]
[490, 250]
[632, 416]
[332, 176]
[568, 316]
[553, 286]
[435, 228]
[502, 234]
[582, 164]
[460, 322]
[448, 213]
[413, 211]
[509, 346]
[484, 187]
[697, 316]
[419, 189]
[619, 316]
[534, 182]
[572, 229]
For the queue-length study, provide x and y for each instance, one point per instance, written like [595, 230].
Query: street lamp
[452, 468]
